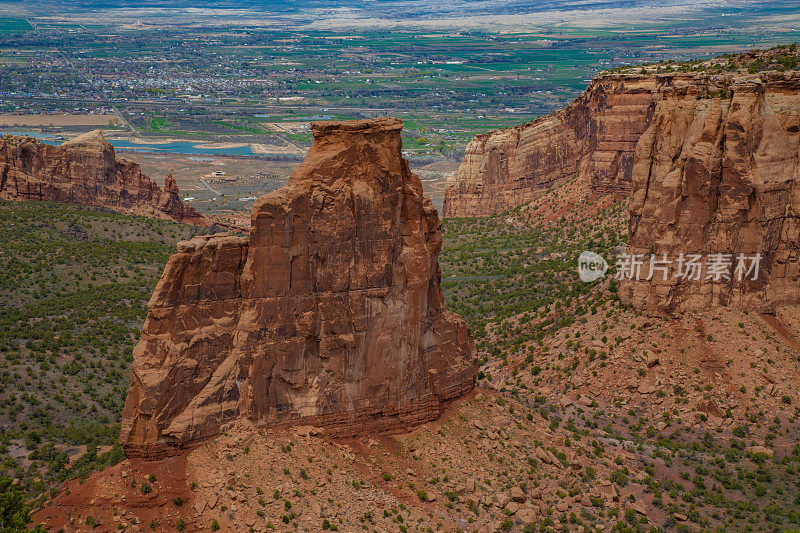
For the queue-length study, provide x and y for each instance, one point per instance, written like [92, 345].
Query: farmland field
[13, 25]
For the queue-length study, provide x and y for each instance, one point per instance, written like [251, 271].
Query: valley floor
[595, 434]
[588, 416]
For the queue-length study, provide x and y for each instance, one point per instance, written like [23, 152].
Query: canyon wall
[594, 137]
[719, 176]
[85, 171]
[330, 313]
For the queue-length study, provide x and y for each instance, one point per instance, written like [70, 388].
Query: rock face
[720, 175]
[593, 137]
[85, 171]
[330, 313]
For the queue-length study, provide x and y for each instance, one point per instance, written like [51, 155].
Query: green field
[447, 85]
[11, 25]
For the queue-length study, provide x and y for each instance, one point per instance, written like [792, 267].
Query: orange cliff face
[720, 176]
[710, 161]
[86, 171]
[330, 313]
[593, 138]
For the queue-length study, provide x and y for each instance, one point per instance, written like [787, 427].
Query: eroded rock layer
[719, 176]
[593, 138]
[85, 171]
[330, 313]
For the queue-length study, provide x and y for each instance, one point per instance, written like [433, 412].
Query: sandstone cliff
[720, 175]
[593, 138]
[86, 171]
[330, 313]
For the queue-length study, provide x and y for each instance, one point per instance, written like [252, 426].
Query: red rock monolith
[330, 313]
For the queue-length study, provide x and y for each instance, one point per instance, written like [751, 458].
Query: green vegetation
[158, 124]
[14, 512]
[499, 266]
[73, 294]
[241, 127]
[780, 58]
[13, 25]
[515, 282]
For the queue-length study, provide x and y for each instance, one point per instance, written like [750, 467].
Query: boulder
[470, 486]
[517, 495]
[760, 449]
